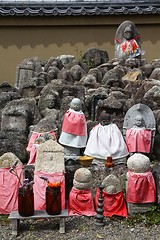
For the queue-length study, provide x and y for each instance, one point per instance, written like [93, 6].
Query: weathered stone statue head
[128, 32]
[139, 115]
[138, 163]
[48, 101]
[104, 118]
[139, 122]
[111, 184]
[82, 179]
[76, 104]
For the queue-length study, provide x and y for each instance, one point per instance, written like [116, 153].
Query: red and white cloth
[74, 129]
[141, 188]
[74, 123]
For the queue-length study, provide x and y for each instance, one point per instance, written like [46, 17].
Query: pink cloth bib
[9, 186]
[113, 204]
[40, 185]
[81, 202]
[141, 188]
[138, 140]
[74, 123]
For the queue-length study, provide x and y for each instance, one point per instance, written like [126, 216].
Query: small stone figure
[80, 197]
[113, 197]
[138, 139]
[127, 41]
[74, 129]
[9, 183]
[48, 104]
[106, 140]
[35, 140]
[141, 187]
[49, 164]
[139, 129]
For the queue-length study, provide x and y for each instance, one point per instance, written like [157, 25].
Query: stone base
[38, 214]
[138, 207]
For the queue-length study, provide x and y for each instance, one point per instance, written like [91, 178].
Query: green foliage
[4, 219]
[151, 217]
[90, 63]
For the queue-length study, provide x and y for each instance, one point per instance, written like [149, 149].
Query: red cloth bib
[40, 185]
[138, 140]
[114, 204]
[9, 186]
[141, 188]
[81, 202]
[74, 123]
[129, 46]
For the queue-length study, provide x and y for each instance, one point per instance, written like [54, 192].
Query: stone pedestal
[138, 207]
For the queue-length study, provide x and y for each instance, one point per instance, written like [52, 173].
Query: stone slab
[15, 219]
[139, 207]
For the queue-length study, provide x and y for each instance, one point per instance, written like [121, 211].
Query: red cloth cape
[138, 140]
[114, 204]
[74, 123]
[141, 188]
[81, 203]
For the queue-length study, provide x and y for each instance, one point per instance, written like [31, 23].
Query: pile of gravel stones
[80, 228]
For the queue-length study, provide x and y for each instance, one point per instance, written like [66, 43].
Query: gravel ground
[81, 228]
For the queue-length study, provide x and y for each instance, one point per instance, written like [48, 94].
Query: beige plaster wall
[23, 38]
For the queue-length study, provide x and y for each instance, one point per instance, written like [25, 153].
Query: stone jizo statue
[80, 197]
[113, 197]
[139, 129]
[74, 129]
[140, 181]
[106, 140]
[127, 41]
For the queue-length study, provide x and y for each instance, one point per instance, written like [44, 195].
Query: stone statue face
[76, 104]
[50, 101]
[128, 33]
[139, 121]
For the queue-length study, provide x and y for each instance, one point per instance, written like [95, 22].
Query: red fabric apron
[114, 204]
[40, 185]
[81, 203]
[74, 123]
[141, 188]
[138, 140]
[32, 148]
[9, 186]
